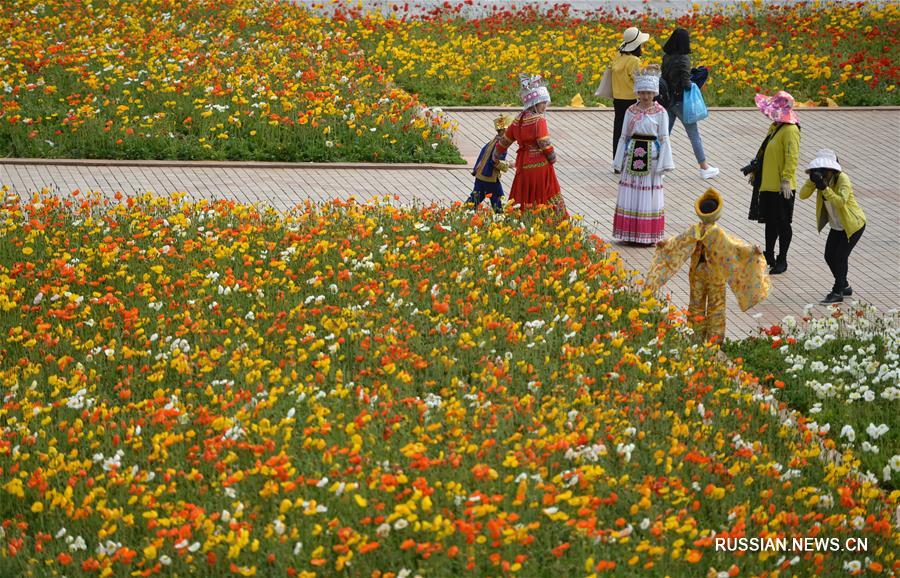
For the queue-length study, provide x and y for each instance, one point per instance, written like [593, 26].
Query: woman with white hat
[622, 69]
[834, 193]
[773, 176]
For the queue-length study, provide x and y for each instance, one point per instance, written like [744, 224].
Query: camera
[750, 168]
[819, 177]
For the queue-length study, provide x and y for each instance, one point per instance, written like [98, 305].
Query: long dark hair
[678, 43]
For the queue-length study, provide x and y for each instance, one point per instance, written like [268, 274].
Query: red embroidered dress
[535, 181]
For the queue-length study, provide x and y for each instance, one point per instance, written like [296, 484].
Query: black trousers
[777, 213]
[837, 252]
[620, 106]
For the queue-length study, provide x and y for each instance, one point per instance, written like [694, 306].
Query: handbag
[605, 88]
[694, 107]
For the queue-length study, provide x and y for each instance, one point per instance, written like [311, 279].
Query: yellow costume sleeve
[736, 262]
[669, 257]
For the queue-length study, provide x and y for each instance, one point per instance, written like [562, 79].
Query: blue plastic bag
[694, 107]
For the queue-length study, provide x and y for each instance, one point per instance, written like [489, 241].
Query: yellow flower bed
[201, 79]
[210, 388]
[847, 52]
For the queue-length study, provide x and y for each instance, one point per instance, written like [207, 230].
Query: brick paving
[583, 140]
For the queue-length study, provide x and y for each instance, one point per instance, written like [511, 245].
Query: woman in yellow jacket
[623, 69]
[773, 177]
[835, 205]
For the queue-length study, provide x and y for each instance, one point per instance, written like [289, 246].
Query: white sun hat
[632, 38]
[825, 159]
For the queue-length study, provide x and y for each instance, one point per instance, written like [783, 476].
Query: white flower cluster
[865, 371]
[590, 453]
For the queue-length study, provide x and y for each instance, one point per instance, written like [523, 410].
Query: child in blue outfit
[486, 173]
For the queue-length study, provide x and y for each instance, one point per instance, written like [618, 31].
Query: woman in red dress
[535, 181]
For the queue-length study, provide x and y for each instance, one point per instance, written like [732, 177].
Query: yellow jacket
[782, 155]
[622, 68]
[730, 260]
[840, 195]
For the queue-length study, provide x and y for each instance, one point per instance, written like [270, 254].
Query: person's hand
[786, 191]
[750, 178]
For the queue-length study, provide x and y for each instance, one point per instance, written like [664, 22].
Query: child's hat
[502, 121]
[708, 206]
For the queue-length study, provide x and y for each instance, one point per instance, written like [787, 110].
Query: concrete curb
[610, 109]
[230, 164]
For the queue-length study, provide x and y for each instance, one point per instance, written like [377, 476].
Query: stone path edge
[803, 109]
[350, 165]
[229, 164]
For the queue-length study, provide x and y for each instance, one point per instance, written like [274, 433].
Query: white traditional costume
[642, 156]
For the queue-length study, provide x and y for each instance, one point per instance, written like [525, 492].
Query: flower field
[470, 54]
[214, 389]
[201, 79]
[269, 80]
[842, 371]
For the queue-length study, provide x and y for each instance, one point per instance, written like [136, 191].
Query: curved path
[867, 142]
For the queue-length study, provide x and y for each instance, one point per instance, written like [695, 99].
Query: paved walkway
[583, 140]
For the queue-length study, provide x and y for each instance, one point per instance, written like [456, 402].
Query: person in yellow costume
[717, 259]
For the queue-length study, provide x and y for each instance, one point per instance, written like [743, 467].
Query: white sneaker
[709, 173]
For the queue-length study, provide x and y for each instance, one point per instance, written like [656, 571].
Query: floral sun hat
[779, 108]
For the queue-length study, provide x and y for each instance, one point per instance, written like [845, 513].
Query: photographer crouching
[835, 205]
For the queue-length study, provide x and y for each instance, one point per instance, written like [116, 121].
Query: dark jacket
[676, 70]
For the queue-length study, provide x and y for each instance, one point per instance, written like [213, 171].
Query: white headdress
[647, 79]
[533, 90]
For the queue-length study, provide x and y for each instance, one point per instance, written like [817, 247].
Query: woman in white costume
[642, 156]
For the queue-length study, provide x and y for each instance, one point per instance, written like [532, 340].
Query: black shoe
[779, 268]
[770, 259]
[832, 298]
[848, 291]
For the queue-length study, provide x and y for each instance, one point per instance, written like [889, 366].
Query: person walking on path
[487, 172]
[676, 72]
[835, 205]
[535, 182]
[773, 175]
[622, 69]
[642, 156]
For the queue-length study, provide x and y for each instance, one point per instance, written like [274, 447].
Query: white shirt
[833, 219]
